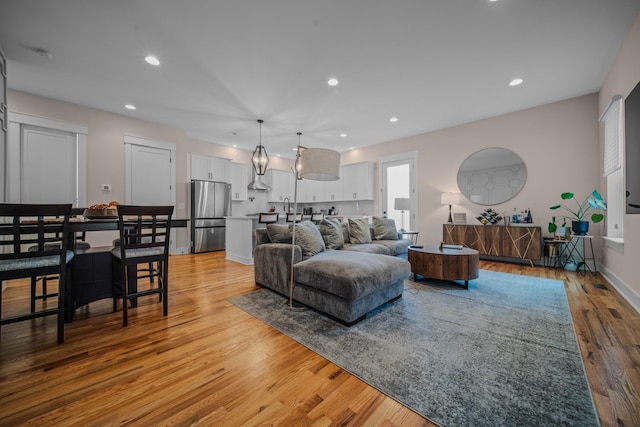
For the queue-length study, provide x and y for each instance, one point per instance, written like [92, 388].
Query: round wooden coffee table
[444, 264]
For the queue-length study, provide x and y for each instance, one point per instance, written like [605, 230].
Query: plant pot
[580, 227]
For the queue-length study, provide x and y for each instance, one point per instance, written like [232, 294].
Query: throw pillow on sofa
[279, 233]
[309, 239]
[331, 233]
[359, 231]
[345, 231]
[384, 229]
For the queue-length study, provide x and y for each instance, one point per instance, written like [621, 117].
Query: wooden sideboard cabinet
[497, 240]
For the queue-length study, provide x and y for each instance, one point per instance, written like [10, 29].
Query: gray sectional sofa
[344, 270]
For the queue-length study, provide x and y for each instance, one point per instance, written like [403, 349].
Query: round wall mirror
[492, 176]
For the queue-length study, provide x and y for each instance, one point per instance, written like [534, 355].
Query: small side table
[412, 235]
[572, 251]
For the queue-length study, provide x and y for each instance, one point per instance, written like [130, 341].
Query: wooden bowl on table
[106, 213]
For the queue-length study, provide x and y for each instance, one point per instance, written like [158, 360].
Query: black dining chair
[144, 239]
[44, 227]
[79, 244]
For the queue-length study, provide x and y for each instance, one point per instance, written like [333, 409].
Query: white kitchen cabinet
[209, 168]
[281, 185]
[239, 179]
[3, 120]
[333, 191]
[314, 191]
[358, 181]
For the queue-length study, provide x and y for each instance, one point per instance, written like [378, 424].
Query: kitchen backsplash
[260, 204]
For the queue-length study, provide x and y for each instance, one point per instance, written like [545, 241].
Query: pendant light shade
[317, 164]
[260, 159]
[320, 164]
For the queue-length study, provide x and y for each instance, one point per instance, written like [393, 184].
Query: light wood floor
[210, 363]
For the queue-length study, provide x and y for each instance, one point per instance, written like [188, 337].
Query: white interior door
[151, 175]
[45, 161]
[151, 182]
[48, 166]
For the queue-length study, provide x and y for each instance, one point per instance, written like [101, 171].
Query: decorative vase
[571, 266]
[580, 227]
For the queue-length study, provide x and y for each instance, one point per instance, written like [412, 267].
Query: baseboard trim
[239, 258]
[627, 293]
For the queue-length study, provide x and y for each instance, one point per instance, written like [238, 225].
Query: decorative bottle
[529, 217]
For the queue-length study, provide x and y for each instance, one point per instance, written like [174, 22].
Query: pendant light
[260, 159]
[297, 165]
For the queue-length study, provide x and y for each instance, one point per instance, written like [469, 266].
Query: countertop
[243, 217]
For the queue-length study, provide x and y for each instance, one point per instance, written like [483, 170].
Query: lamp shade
[402, 204]
[450, 199]
[320, 164]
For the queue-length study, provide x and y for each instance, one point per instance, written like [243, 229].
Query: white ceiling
[226, 63]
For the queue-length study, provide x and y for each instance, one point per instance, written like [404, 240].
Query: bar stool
[268, 217]
[316, 217]
[290, 217]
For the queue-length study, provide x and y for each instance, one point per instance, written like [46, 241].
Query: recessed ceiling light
[333, 82]
[343, 135]
[294, 149]
[393, 119]
[516, 82]
[152, 60]
[352, 148]
[235, 146]
[130, 107]
[43, 52]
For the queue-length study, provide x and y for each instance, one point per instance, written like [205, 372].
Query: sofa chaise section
[345, 284]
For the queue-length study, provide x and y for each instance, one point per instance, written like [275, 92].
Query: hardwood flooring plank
[210, 363]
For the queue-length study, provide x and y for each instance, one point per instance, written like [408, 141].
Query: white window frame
[613, 167]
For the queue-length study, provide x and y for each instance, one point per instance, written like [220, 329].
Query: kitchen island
[240, 238]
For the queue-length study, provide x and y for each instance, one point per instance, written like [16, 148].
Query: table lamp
[450, 199]
[402, 204]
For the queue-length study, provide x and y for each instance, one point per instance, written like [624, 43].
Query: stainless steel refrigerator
[210, 203]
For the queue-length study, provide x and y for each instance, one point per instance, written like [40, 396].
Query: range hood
[257, 184]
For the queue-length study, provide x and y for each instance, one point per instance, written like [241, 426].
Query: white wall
[621, 268]
[558, 143]
[105, 153]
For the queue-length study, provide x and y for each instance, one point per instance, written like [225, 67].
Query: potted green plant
[579, 224]
[561, 232]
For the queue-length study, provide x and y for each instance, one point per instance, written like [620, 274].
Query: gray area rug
[503, 352]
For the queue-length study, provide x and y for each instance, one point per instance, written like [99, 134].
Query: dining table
[91, 271]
